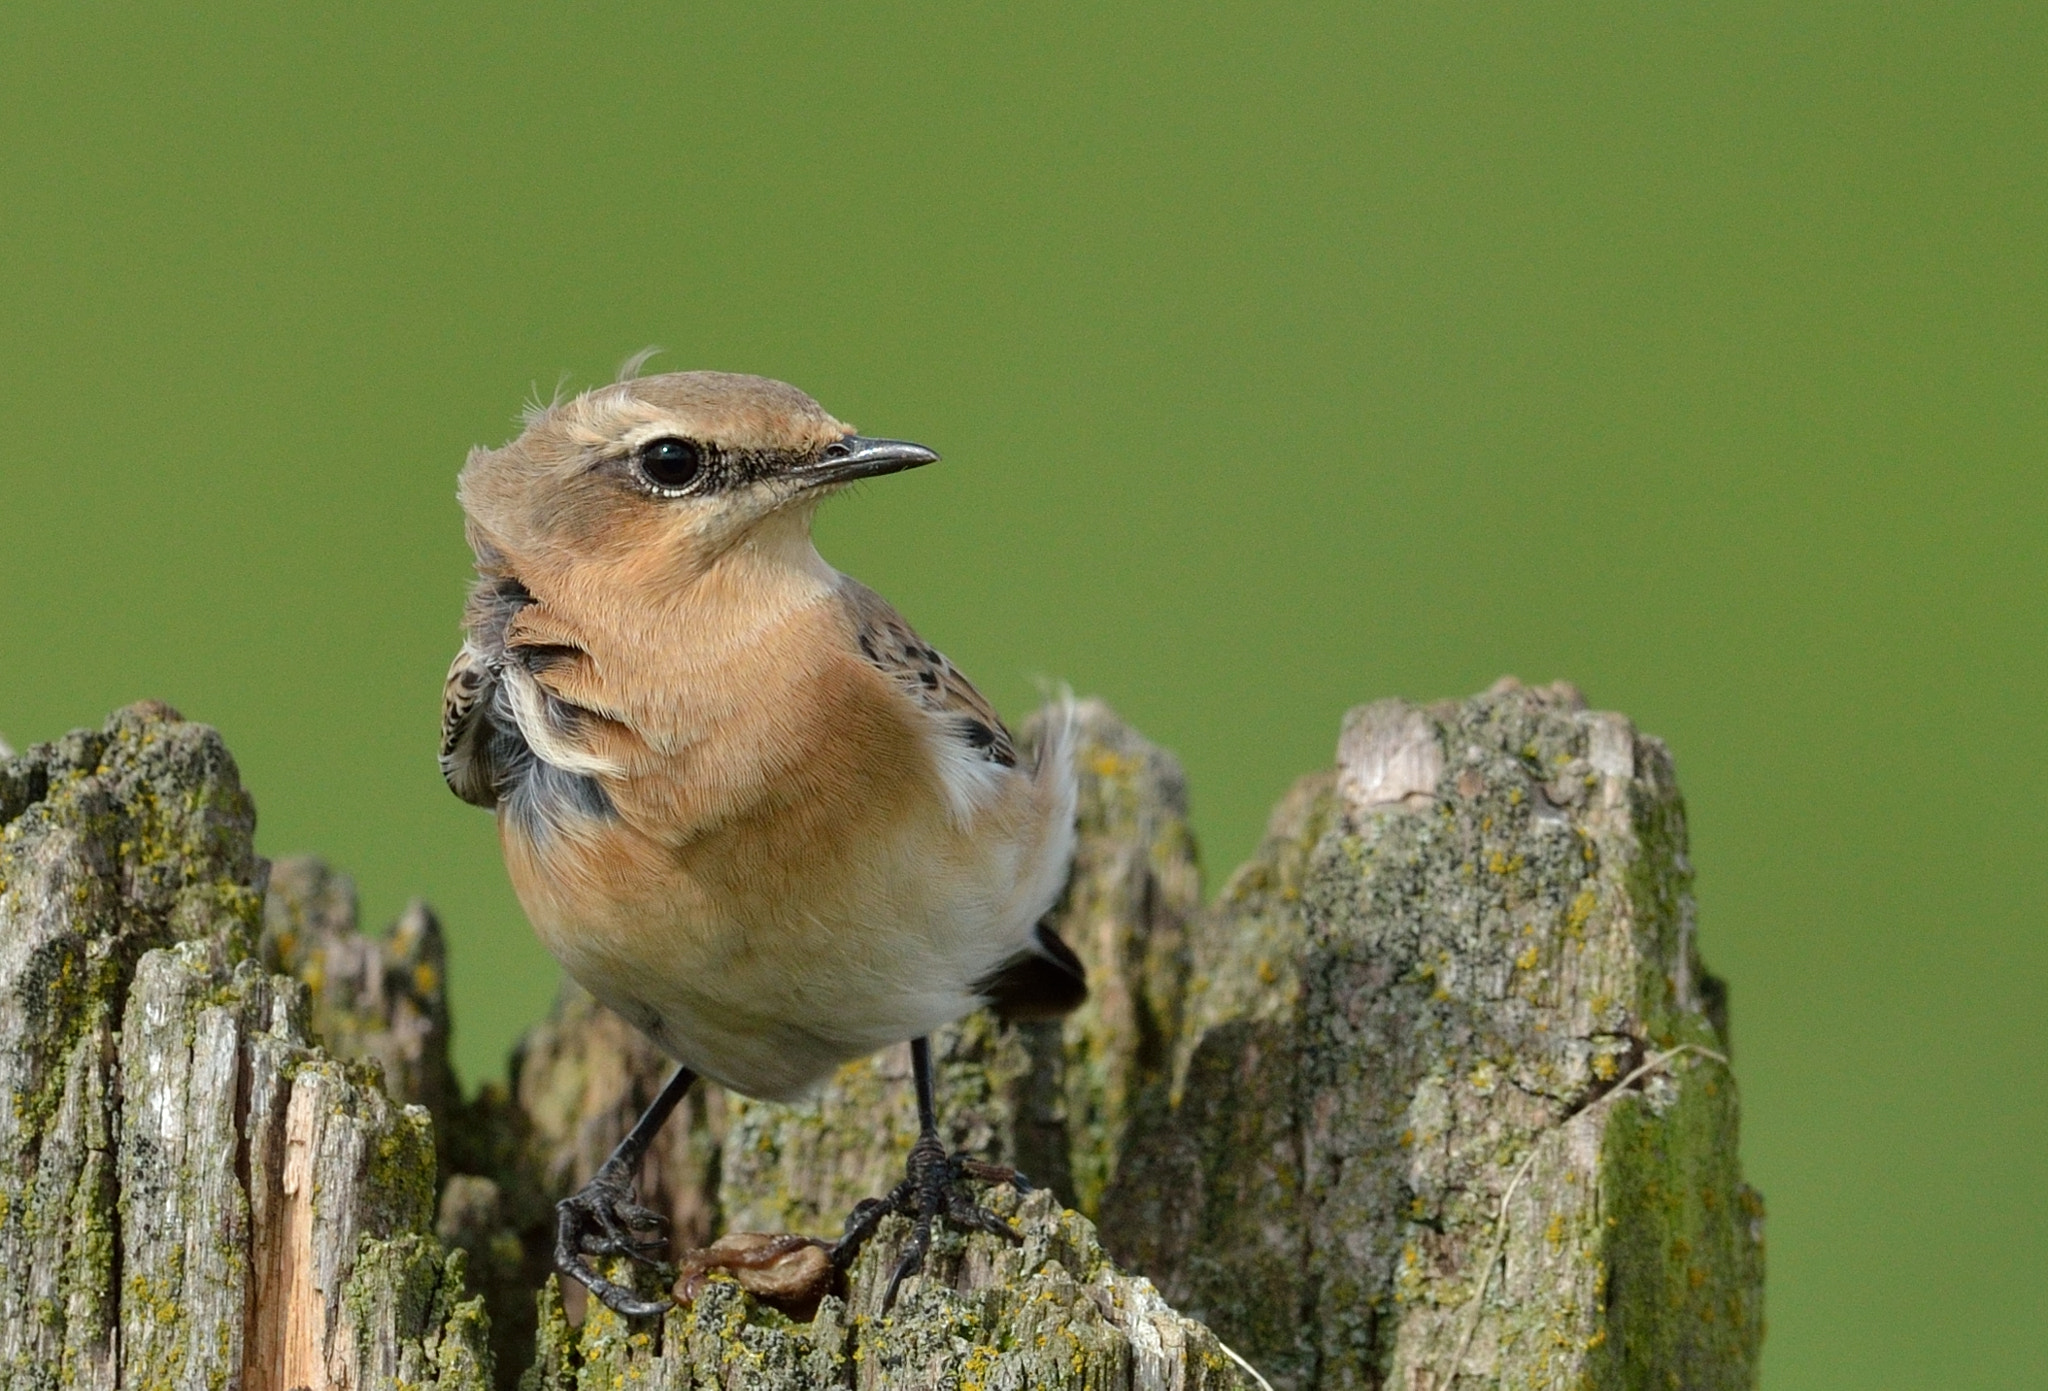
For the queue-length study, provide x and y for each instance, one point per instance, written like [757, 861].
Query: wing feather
[896, 650]
[466, 762]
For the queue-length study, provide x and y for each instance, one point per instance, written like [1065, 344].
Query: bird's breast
[771, 949]
[781, 881]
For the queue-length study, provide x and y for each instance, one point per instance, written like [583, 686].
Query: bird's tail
[1059, 736]
[1045, 979]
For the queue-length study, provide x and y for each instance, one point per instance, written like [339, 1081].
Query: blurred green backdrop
[1283, 357]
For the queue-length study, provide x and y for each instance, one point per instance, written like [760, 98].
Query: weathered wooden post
[1437, 1093]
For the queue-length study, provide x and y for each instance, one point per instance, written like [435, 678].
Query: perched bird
[740, 799]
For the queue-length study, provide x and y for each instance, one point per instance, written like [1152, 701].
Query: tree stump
[1438, 1091]
[1456, 1103]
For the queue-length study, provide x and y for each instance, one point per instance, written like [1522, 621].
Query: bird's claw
[932, 1188]
[603, 1218]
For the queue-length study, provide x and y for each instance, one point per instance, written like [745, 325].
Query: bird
[741, 801]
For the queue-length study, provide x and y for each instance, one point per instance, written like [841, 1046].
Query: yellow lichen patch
[1109, 764]
[1576, 916]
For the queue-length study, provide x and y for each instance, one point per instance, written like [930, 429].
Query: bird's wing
[899, 653]
[466, 762]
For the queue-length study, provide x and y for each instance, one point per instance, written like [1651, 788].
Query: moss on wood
[1435, 1093]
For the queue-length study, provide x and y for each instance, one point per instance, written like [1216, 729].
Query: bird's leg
[602, 1218]
[932, 1188]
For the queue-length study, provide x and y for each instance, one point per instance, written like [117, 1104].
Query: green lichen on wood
[1432, 1094]
[113, 842]
[380, 999]
[186, 1182]
[1684, 1234]
[1209, 1204]
[1135, 887]
[553, 1367]
[412, 1320]
[1049, 1311]
[1247, 949]
[723, 1339]
[1494, 928]
[184, 1217]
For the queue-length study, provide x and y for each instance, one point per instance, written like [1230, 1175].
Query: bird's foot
[602, 1218]
[933, 1187]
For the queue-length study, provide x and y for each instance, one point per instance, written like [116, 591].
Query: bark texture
[1436, 1092]
[378, 999]
[1051, 1311]
[191, 1195]
[197, 1193]
[1454, 1104]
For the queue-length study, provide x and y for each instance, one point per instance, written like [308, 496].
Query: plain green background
[1283, 357]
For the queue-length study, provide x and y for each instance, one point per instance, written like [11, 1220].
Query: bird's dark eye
[670, 462]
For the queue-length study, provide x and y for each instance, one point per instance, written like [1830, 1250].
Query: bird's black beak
[857, 456]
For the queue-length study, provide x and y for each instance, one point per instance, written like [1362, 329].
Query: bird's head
[667, 471]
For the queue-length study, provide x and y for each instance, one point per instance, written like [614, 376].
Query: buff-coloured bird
[741, 801]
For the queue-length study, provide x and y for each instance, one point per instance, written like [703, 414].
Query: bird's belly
[768, 991]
